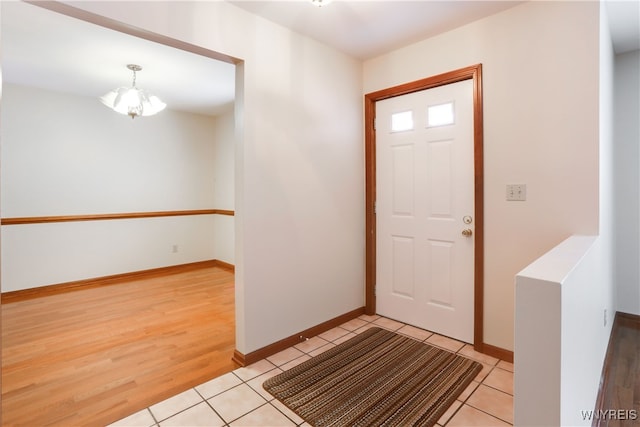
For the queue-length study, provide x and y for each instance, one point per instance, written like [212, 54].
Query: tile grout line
[267, 402]
[483, 411]
[206, 401]
[155, 420]
[180, 411]
[495, 388]
[465, 402]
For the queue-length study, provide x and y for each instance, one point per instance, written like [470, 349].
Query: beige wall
[540, 69]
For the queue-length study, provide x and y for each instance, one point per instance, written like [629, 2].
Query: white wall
[607, 168]
[540, 71]
[565, 301]
[69, 155]
[627, 180]
[66, 154]
[224, 186]
[299, 165]
[561, 337]
[223, 168]
[45, 254]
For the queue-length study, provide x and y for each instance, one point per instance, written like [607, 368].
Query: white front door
[424, 209]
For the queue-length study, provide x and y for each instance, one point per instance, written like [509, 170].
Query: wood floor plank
[91, 357]
[621, 379]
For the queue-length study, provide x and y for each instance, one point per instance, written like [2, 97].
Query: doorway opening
[175, 251]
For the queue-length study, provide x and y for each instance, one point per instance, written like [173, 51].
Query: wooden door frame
[473, 73]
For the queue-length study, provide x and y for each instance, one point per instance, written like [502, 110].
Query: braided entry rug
[377, 378]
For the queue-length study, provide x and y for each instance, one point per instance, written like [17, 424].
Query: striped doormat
[378, 378]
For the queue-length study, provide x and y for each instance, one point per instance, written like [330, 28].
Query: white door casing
[424, 203]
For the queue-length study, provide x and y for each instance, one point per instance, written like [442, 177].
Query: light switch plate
[516, 192]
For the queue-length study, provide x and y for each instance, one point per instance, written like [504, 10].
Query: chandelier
[132, 101]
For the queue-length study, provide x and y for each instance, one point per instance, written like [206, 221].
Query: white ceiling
[365, 29]
[53, 51]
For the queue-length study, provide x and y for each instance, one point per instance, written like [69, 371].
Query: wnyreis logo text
[610, 414]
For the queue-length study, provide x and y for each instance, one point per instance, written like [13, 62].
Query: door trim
[474, 73]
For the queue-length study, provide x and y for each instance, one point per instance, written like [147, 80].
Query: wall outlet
[605, 317]
[174, 249]
[516, 192]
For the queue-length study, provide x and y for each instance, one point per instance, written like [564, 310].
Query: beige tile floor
[237, 398]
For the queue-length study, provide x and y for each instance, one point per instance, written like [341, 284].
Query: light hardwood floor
[91, 357]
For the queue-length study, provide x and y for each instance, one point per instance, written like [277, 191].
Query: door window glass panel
[440, 115]
[402, 121]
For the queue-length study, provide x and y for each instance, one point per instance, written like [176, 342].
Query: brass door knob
[467, 232]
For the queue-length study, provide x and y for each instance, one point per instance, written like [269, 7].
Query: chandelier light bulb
[132, 101]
